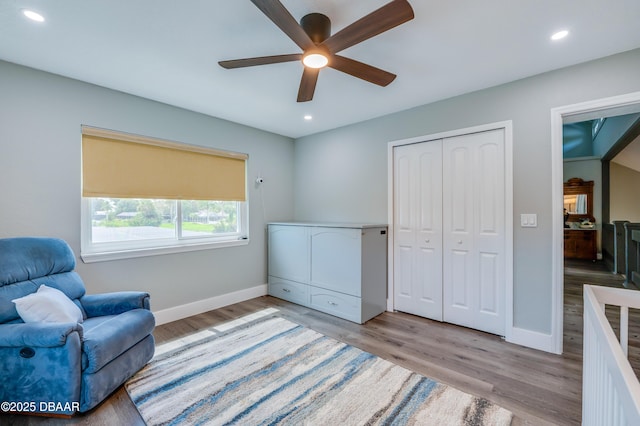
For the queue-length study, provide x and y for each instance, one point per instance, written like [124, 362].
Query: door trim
[507, 126]
[558, 116]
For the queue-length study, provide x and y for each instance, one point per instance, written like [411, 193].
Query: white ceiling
[167, 50]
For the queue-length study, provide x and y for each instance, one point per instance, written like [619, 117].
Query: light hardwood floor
[539, 388]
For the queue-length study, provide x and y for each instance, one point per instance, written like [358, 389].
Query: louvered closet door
[418, 229]
[474, 231]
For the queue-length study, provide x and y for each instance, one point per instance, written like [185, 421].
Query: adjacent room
[228, 231]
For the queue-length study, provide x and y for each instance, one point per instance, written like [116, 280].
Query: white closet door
[474, 231]
[418, 229]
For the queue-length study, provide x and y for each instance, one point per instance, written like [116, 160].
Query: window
[142, 197]
[596, 125]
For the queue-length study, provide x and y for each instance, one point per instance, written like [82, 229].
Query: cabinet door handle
[332, 303]
[286, 290]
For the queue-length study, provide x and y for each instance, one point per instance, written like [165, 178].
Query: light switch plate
[529, 220]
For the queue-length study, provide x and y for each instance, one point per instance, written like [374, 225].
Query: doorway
[617, 105]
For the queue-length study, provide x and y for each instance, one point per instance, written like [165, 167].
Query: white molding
[181, 246]
[194, 308]
[507, 126]
[508, 218]
[557, 234]
[452, 133]
[573, 159]
[558, 116]
[531, 339]
[390, 270]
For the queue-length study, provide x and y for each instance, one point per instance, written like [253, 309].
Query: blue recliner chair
[65, 367]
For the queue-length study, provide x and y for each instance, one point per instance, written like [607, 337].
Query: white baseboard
[194, 308]
[532, 339]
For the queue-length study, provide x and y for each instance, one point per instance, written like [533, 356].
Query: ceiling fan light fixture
[315, 60]
[319, 48]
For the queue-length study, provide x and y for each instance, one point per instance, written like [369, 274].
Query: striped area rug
[277, 372]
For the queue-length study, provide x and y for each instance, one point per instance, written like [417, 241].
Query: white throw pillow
[47, 305]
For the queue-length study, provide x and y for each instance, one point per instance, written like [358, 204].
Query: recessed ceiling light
[34, 16]
[308, 117]
[559, 35]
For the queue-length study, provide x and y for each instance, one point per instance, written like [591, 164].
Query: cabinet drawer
[334, 303]
[580, 244]
[289, 290]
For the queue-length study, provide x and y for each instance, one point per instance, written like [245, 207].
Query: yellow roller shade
[119, 165]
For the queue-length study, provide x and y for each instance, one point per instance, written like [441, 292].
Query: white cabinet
[340, 269]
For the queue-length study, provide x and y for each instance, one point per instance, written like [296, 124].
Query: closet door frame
[507, 126]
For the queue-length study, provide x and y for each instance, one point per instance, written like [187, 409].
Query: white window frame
[99, 252]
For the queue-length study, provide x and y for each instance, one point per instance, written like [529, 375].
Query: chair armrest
[96, 305]
[41, 334]
[41, 363]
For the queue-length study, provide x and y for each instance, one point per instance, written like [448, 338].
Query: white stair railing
[610, 389]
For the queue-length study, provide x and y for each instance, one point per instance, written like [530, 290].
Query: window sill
[106, 256]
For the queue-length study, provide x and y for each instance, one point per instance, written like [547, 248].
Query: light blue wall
[611, 131]
[577, 140]
[40, 119]
[342, 174]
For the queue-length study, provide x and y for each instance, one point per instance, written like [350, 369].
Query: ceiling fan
[320, 48]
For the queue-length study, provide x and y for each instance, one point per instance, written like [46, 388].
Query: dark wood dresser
[580, 244]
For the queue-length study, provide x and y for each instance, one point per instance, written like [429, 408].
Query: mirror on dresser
[578, 200]
[580, 232]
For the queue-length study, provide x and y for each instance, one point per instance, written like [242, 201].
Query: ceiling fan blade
[388, 16]
[262, 60]
[287, 23]
[308, 84]
[361, 70]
